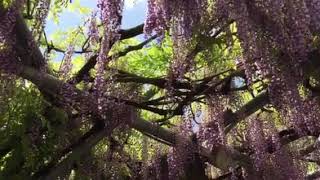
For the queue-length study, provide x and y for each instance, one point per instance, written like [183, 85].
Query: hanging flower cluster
[181, 155]
[155, 20]
[279, 164]
[276, 38]
[66, 65]
[40, 18]
[110, 14]
[93, 32]
[211, 134]
[182, 16]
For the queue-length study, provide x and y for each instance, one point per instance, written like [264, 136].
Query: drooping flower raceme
[211, 133]
[66, 65]
[270, 159]
[276, 38]
[40, 18]
[182, 16]
[93, 32]
[180, 156]
[111, 15]
[155, 20]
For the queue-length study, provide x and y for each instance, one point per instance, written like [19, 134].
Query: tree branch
[84, 71]
[132, 32]
[65, 166]
[26, 45]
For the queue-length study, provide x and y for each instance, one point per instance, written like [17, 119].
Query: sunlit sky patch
[134, 14]
[131, 3]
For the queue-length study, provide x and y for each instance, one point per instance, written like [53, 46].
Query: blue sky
[134, 14]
